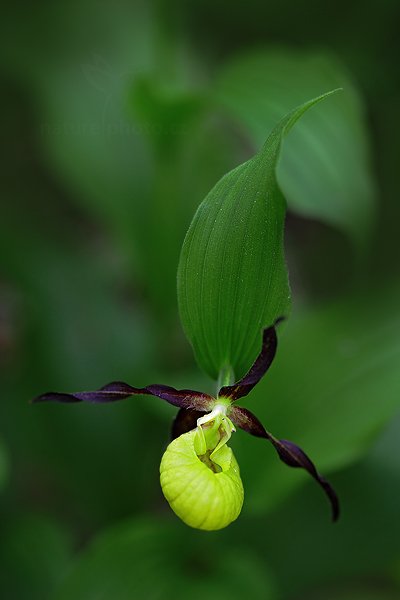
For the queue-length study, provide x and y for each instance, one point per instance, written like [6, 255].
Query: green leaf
[232, 277]
[153, 559]
[325, 168]
[135, 158]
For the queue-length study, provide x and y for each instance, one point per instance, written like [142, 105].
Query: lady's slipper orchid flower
[199, 474]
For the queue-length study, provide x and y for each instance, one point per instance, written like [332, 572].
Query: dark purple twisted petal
[288, 452]
[185, 420]
[257, 371]
[117, 390]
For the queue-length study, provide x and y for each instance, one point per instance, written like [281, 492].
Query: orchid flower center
[213, 432]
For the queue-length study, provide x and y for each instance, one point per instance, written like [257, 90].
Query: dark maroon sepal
[288, 452]
[295, 457]
[117, 390]
[185, 420]
[257, 371]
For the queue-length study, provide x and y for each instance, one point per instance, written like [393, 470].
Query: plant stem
[226, 377]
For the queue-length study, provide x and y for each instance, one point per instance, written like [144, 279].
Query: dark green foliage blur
[118, 118]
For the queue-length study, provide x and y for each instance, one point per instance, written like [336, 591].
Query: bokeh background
[118, 117]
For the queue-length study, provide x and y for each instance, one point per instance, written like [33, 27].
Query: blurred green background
[117, 120]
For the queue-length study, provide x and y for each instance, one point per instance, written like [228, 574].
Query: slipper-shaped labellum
[202, 484]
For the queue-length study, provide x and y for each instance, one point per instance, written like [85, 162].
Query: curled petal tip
[54, 397]
[293, 456]
[289, 453]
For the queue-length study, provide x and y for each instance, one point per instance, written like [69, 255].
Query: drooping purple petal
[260, 367]
[288, 452]
[185, 420]
[117, 390]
